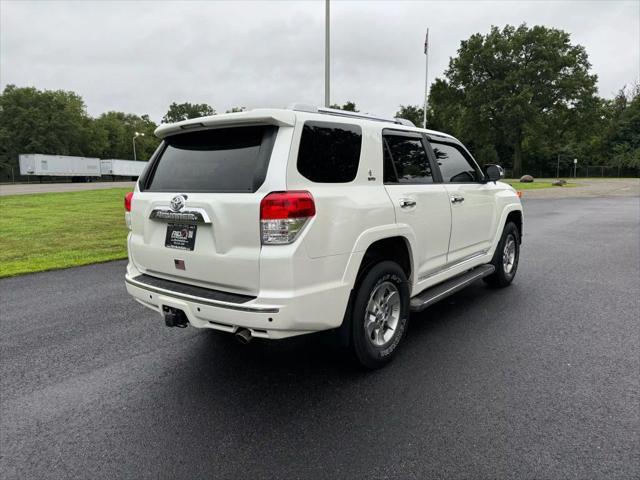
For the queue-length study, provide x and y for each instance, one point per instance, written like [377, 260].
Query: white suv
[273, 223]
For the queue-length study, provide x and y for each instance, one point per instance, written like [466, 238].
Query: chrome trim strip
[203, 301]
[192, 215]
[449, 267]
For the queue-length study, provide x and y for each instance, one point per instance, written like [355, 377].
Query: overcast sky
[138, 57]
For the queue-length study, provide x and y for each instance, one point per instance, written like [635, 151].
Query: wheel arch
[515, 216]
[383, 243]
[396, 249]
[511, 212]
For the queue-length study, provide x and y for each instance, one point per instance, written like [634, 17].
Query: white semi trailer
[79, 168]
[121, 168]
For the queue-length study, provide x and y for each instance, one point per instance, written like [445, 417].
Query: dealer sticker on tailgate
[182, 237]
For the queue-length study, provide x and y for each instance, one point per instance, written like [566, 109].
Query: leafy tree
[35, 121]
[183, 111]
[236, 110]
[349, 107]
[118, 130]
[622, 138]
[487, 154]
[513, 85]
[413, 113]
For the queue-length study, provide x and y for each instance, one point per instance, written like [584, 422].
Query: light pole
[327, 101]
[560, 155]
[426, 79]
[137, 134]
[575, 168]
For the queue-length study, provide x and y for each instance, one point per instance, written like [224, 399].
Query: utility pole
[426, 79]
[327, 101]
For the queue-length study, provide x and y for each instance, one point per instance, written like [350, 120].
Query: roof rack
[301, 107]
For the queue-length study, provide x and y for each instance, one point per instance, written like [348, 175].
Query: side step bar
[449, 287]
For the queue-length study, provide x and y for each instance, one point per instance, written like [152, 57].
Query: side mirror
[493, 173]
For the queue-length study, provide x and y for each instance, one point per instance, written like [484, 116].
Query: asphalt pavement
[539, 380]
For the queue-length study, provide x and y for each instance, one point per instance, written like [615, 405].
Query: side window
[329, 152]
[454, 166]
[390, 175]
[408, 158]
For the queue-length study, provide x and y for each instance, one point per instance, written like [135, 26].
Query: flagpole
[426, 79]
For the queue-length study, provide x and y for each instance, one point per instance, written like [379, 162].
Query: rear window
[220, 160]
[329, 152]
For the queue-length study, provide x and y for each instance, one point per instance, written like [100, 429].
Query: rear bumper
[204, 296]
[274, 318]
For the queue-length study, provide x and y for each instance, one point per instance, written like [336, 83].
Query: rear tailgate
[196, 217]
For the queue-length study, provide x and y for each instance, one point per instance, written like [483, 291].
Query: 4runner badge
[178, 202]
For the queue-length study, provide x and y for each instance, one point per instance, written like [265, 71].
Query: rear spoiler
[284, 118]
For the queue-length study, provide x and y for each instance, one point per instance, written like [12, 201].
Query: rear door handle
[457, 199]
[407, 203]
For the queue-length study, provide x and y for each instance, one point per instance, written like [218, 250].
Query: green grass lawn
[534, 185]
[58, 230]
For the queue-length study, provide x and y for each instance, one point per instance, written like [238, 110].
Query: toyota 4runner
[273, 223]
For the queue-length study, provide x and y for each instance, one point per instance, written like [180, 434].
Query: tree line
[522, 97]
[525, 96]
[56, 122]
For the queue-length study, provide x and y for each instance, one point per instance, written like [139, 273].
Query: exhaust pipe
[174, 317]
[243, 335]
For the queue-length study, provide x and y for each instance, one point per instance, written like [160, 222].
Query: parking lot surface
[539, 380]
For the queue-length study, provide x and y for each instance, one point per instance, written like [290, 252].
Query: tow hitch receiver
[174, 317]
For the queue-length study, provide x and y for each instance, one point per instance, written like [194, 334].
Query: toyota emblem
[178, 202]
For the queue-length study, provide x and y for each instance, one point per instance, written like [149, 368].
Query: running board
[449, 287]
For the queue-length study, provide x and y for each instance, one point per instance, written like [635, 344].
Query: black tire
[386, 274]
[503, 276]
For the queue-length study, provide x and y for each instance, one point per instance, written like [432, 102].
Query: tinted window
[329, 152]
[390, 175]
[408, 158]
[454, 166]
[220, 160]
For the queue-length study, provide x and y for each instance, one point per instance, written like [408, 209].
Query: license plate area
[181, 236]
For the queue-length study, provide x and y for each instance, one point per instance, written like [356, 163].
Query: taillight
[127, 209]
[127, 201]
[283, 215]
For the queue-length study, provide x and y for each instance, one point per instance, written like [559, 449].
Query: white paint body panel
[309, 281]
[429, 223]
